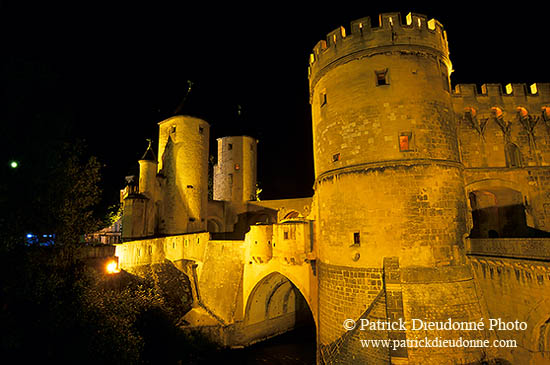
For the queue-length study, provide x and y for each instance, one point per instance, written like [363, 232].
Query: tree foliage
[75, 197]
[56, 192]
[53, 310]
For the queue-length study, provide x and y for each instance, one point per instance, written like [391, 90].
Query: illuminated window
[237, 166]
[533, 88]
[405, 141]
[382, 77]
[336, 157]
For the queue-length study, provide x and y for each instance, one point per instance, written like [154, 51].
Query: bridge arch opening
[498, 212]
[276, 306]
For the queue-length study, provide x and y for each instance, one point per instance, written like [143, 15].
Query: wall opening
[276, 307]
[498, 213]
[513, 155]
[544, 340]
[382, 77]
[213, 226]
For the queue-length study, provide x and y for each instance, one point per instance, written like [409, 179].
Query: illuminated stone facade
[418, 191]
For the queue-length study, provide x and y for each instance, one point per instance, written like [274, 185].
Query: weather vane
[180, 106]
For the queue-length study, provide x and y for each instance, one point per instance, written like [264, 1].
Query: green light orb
[14, 164]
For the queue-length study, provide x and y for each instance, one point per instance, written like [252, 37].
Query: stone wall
[414, 212]
[236, 169]
[489, 122]
[517, 290]
[183, 154]
[345, 293]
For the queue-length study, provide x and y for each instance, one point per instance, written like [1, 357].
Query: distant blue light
[30, 235]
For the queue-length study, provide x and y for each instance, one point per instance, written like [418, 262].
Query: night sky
[109, 73]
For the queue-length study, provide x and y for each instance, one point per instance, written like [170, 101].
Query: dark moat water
[293, 348]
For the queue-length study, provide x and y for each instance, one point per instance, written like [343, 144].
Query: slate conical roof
[149, 155]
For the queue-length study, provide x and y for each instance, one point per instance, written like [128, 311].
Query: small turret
[148, 172]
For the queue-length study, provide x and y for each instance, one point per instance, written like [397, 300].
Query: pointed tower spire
[149, 155]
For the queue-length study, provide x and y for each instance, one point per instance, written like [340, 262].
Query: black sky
[110, 72]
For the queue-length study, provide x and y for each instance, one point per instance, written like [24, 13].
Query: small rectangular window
[285, 234]
[229, 146]
[201, 130]
[382, 77]
[405, 141]
[357, 238]
[444, 76]
[230, 179]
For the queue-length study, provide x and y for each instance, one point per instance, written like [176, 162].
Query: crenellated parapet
[516, 101]
[536, 92]
[503, 126]
[366, 39]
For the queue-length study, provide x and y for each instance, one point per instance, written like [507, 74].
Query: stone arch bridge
[244, 291]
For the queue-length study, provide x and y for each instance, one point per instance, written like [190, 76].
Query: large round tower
[388, 183]
[183, 153]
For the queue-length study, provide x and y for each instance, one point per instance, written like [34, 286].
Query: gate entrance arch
[275, 306]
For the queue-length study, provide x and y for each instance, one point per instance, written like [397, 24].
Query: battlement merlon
[534, 93]
[391, 31]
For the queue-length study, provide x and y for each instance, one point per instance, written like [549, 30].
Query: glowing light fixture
[522, 111]
[112, 267]
[509, 89]
[497, 112]
[14, 164]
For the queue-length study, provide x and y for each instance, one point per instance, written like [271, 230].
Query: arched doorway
[544, 341]
[498, 212]
[279, 317]
[213, 226]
